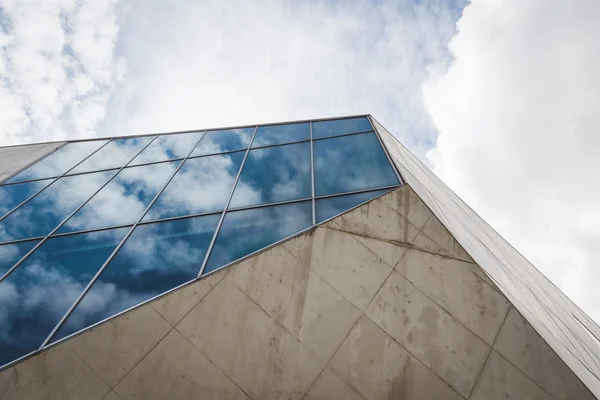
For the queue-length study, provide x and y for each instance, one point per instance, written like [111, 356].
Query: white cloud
[518, 114]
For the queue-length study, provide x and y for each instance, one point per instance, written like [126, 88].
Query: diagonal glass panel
[156, 258]
[244, 232]
[13, 252]
[51, 206]
[168, 147]
[13, 195]
[338, 127]
[124, 199]
[58, 162]
[332, 206]
[114, 155]
[351, 163]
[279, 134]
[202, 185]
[274, 174]
[36, 295]
[222, 141]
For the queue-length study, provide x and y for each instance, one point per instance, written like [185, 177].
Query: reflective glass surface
[337, 127]
[59, 162]
[244, 232]
[124, 199]
[36, 295]
[351, 163]
[332, 206]
[278, 134]
[51, 206]
[155, 258]
[274, 174]
[13, 195]
[13, 252]
[222, 141]
[168, 147]
[201, 185]
[114, 155]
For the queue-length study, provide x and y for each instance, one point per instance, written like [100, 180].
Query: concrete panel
[407, 203]
[388, 252]
[329, 386]
[175, 369]
[15, 158]
[454, 286]
[114, 348]
[8, 380]
[500, 381]
[379, 368]
[257, 353]
[57, 374]
[431, 334]
[443, 241]
[520, 344]
[348, 266]
[112, 396]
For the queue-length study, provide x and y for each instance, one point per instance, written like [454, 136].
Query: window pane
[114, 155]
[38, 292]
[274, 174]
[244, 232]
[332, 206]
[11, 253]
[124, 199]
[349, 163]
[154, 259]
[168, 147]
[277, 134]
[201, 185]
[45, 211]
[13, 195]
[221, 141]
[337, 127]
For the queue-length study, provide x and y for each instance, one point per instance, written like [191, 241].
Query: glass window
[13, 195]
[244, 232]
[168, 147]
[332, 206]
[40, 215]
[156, 258]
[222, 141]
[274, 174]
[337, 127]
[351, 163]
[124, 199]
[114, 155]
[59, 162]
[278, 134]
[13, 252]
[201, 185]
[36, 295]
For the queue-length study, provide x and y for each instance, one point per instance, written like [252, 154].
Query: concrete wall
[15, 158]
[379, 303]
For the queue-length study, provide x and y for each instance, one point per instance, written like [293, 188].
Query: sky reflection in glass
[222, 141]
[244, 232]
[114, 155]
[337, 127]
[332, 206]
[351, 163]
[274, 174]
[58, 162]
[13, 195]
[124, 199]
[51, 206]
[156, 258]
[13, 252]
[36, 295]
[168, 147]
[279, 134]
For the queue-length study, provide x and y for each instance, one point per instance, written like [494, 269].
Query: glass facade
[98, 227]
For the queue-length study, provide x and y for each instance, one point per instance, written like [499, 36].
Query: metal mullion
[28, 181]
[154, 162]
[121, 243]
[327, 196]
[237, 178]
[218, 154]
[89, 230]
[280, 144]
[21, 240]
[34, 162]
[342, 134]
[180, 217]
[312, 177]
[385, 150]
[277, 203]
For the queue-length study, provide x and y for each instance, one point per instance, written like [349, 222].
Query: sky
[500, 98]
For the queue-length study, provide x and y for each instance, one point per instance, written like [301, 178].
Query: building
[307, 260]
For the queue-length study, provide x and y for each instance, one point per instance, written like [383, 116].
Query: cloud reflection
[224, 140]
[168, 147]
[114, 155]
